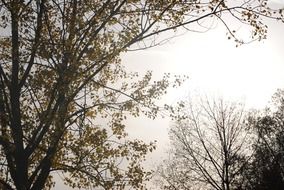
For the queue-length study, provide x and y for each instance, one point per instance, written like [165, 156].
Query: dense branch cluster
[208, 147]
[64, 93]
[217, 145]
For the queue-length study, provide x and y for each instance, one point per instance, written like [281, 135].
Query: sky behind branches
[250, 73]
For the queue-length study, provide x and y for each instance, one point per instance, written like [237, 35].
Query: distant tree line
[218, 145]
[65, 93]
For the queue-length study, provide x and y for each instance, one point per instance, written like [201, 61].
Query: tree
[209, 147]
[266, 170]
[64, 93]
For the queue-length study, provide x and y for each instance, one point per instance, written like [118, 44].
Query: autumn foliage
[64, 93]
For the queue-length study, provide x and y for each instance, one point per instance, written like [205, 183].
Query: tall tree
[266, 169]
[209, 147]
[63, 91]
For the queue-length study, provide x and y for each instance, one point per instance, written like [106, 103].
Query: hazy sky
[250, 73]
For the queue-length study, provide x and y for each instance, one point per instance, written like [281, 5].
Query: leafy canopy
[64, 93]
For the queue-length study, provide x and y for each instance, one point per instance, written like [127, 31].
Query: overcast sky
[250, 73]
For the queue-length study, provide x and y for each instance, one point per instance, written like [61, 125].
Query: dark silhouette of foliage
[64, 93]
[266, 169]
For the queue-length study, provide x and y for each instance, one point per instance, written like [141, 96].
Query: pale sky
[250, 73]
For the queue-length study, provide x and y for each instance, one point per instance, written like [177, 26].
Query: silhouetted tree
[209, 147]
[61, 74]
[266, 170]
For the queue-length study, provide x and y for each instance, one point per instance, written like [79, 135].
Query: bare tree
[60, 73]
[209, 147]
